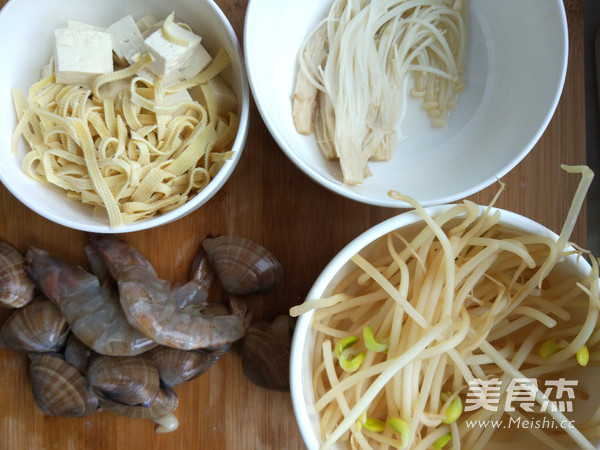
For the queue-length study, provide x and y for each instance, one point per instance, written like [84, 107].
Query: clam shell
[131, 380]
[16, 288]
[38, 326]
[59, 388]
[177, 366]
[241, 265]
[165, 403]
[266, 359]
[77, 353]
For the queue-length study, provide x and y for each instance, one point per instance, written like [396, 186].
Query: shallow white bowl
[26, 44]
[515, 70]
[410, 223]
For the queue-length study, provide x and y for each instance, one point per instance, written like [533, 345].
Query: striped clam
[38, 326]
[241, 265]
[16, 289]
[160, 410]
[130, 380]
[77, 353]
[266, 353]
[177, 366]
[59, 388]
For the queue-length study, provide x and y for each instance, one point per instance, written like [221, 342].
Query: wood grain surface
[270, 201]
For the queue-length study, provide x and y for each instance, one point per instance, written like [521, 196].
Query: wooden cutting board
[270, 201]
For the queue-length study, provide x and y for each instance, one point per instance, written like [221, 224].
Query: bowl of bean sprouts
[434, 325]
[435, 99]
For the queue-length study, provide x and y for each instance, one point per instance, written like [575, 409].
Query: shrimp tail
[238, 307]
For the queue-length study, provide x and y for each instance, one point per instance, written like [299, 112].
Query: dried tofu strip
[129, 156]
[217, 65]
[169, 36]
[100, 186]
[143, 61]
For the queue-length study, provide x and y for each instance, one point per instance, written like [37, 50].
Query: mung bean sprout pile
[433, 319]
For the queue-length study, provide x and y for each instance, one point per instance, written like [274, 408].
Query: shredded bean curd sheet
[354, 67]
[459, 298]
[129, 156]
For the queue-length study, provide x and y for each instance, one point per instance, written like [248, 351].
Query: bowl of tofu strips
[119, 115]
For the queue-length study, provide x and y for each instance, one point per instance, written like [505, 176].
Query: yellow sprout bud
[343, 344]
[549, 348]
[370, 341]
[350, 361]
[441, 442]
[375, 425]
[402, 428]
[454, 410]
[583, 356]
[361, 420]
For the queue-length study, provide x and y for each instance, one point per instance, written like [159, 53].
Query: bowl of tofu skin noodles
[436, 99]
[451, 326]
[121, 115]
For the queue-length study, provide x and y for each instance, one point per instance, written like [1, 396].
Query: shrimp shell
[91, 308]
[150, 306]
[16, 289]
[195, 291]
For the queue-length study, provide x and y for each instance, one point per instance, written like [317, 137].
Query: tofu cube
[169, 56]
[81, 55]
[75, 25]
[146, 22]
[224, 95]
[198, 62]
[127, 41]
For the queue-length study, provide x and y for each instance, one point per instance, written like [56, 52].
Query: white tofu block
[224, 95]
[172, 78]
[146, 22]
[169, 56]
[127, 41]
[81, 55]
[48, 69]
[198, 62]
[177, 97]
[75, 25]
[152, 28]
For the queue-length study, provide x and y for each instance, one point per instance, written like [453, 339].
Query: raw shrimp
[195, 291]
[151, 307]
[92, 309]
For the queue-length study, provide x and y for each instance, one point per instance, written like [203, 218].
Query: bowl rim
[303, 324]
[202, 197]
[444, 198]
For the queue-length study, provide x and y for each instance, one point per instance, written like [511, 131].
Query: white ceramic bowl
[340, 266]
[515, 70]
[26, 44]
